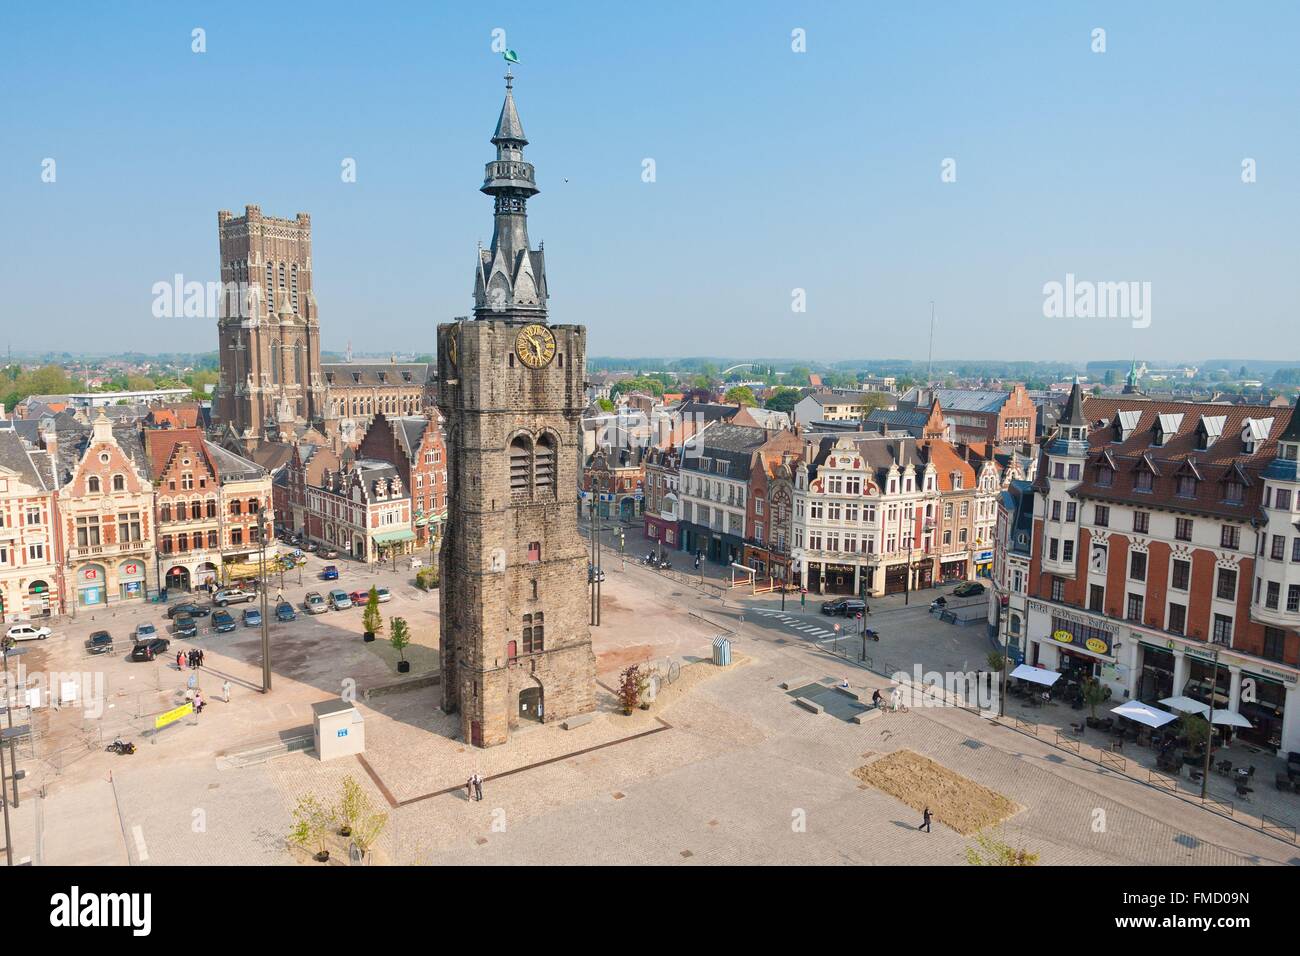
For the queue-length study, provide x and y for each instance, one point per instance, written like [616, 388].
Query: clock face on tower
[535, 346]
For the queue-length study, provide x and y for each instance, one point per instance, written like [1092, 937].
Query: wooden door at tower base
[475, 733]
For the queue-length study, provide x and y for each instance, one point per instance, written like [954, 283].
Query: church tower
[515, 640]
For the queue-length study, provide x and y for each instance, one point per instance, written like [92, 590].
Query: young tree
[631, 685]
[400, 636]
[371, 619]
[989, 850]
[311, 823]
[1094, 694]
[1195, 728]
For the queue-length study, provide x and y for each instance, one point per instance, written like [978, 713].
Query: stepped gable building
[1165, 538]
[414, 445]
[514, 623]
[30, 575]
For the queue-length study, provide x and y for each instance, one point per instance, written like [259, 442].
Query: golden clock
[535, 346]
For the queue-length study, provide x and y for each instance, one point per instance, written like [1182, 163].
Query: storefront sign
[1081, 634]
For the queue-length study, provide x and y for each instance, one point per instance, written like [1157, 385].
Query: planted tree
[989, 850]
[1094, 694]
[997, 661]
[371, 618]
[353, 805]
[631, 685]
[400, 638]
[1195, 728]
[311, 824]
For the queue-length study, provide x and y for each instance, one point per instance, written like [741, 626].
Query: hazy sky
[775, 170]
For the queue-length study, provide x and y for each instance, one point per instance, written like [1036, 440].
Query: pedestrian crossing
[805, 629]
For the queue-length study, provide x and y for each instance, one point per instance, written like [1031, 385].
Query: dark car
[190, 608]
[186, 626]
[327, 553]
[148, 650]
[329, 573]
[284, 612]
[101, 642]
[846, 607]
[969, 589]
[223, 621]
[252, 617]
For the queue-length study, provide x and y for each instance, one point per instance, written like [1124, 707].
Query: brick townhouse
[1165, 540]
[415, 446]
[363, 509]
[30, 577]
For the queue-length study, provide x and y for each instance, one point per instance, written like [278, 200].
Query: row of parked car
[340, 600]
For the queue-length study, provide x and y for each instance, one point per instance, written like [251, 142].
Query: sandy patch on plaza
[692, 674]
[955, 801]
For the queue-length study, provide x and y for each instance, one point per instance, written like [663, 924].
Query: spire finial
[510, 79]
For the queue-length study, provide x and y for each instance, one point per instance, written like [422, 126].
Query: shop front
[1156, 676]
[831, 578]
[130, 580]
[896, 579]
[1079, 646]
[663, 530]
[37, 601]
[90, 581]
[983, 564]
[952, 568]
[1263, 703]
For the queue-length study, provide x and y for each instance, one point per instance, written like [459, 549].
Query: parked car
[329, 573]
[190, 608]
[145, 632]
[595, 574]
[314, 603]
[26, 632]
[968, 589]
[312, 546]
[186, 626]
[150, 649]
[223, 622]
[252, 617]
[233, 596]
[327, 553]
[284, 612]
[339, 599]
[845, 607]
[384, 595]
[100, 642]
[359, 597]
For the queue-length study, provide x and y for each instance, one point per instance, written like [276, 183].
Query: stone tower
[269, 332]
[515, 639]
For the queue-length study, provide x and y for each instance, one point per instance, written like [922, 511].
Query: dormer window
[1186, 486]
[1142, 481]
[1105, 475]
[1234, 491]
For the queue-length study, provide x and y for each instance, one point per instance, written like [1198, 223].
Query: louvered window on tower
[520, 462]
[544, 465]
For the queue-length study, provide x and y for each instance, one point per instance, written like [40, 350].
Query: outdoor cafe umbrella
[1230, 718]
[1143, 713]
[1038, 675]
[1187, 705]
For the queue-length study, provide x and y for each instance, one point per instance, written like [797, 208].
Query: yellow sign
[1065, 637]
[1096, 646]
[162, 720]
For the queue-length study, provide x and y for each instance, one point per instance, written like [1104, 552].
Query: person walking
[925, 820]
[200, 653]
[895, 698]
[478, 785]
[180, 661]
[469, 787]
[198, 702]
[225, 692]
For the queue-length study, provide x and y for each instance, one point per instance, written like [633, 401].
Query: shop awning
[1186, 705]
[393, 537]
[1039, 675]
[1230, 718]
[1143, 713]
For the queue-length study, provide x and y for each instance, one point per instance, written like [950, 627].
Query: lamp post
[266, 633]
[1209, 739]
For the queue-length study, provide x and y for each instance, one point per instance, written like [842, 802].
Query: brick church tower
[269, 339]
[515, 640]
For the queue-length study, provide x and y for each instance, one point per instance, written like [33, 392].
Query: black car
[101, 642]
[190, 608]
[968, 589]
[186, 626]
[148, 650]
[846, 607]
[223, 621]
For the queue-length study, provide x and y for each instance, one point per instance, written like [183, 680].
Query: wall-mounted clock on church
[535, 345]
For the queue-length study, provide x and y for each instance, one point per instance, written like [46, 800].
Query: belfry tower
[514, 634]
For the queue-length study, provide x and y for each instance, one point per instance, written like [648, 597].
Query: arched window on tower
[544, 466]
[521, 453]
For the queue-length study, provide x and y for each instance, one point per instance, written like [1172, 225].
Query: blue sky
[775, 170]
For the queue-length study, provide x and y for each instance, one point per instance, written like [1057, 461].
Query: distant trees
[642, 383]
[17, 384]
[782, 400]
[741, 395]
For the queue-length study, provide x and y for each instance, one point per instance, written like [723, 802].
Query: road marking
[141, 851]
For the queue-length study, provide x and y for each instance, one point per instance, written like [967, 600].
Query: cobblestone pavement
[742, 775]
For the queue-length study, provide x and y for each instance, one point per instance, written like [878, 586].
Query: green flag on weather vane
[511, 56]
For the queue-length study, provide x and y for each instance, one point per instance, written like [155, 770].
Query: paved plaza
[724, 768]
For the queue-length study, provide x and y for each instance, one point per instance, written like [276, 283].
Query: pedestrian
[469, 787]
[198, 702]
[200, 653]
[925, 820]
[895, 698]
[875, 698]
[478, 785]
[225, 692]
[180, 661]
